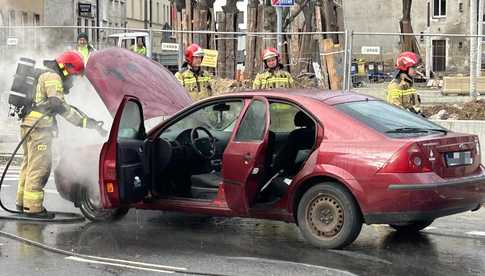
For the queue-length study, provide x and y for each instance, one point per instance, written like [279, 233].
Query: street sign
[84, 10]
[170, 46]
[210, 58]
[12, 41]
[370, 50]
[282, 3]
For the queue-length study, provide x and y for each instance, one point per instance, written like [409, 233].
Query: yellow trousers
[35, 169]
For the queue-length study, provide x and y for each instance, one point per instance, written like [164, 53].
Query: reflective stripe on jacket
[199, 86]
[405, 97]
[273, 79]
[49, 85]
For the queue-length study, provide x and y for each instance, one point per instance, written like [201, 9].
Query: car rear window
[386, 118]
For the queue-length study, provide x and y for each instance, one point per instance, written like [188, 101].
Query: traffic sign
[282, 3]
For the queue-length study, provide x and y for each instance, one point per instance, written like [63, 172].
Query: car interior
[190, 151]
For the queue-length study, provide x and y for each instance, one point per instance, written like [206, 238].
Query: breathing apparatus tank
[21, 93]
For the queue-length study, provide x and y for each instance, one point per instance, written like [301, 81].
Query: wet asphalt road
[148, 242]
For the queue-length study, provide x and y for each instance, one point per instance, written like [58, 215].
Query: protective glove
[97, 125]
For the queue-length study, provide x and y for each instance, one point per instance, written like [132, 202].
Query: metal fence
[335, 60]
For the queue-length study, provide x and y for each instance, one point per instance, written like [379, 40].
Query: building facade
[150, 14]
[84, 14]
[19, 13]
[449, 55]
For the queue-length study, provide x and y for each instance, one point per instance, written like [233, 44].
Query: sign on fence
[210, 58]
[12, 41]
[282, 3]
[170, 46]
[370, 50]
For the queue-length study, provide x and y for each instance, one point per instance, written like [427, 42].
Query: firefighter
[400, 91]
[83, 46]
[196, 81]
[48, 98]
[273, 76]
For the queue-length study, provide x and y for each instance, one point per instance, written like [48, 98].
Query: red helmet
[72, 62]
[192, 51]
[271, 53]
[406, 60]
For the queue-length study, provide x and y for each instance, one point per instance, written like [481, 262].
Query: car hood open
[115, 72]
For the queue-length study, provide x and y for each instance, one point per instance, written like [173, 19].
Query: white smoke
[79, 147]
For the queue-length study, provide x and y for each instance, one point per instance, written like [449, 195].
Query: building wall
[20, 13]
[160, 18]
[384, 16]
[65, 13]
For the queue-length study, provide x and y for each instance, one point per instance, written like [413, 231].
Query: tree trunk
[295, 26]
[189, 16]
[408, 43]
[251, 53]
[230, 10]
[307, 43]
[221, 45]
[320, 41]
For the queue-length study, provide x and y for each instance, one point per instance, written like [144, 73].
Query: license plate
[459, 158]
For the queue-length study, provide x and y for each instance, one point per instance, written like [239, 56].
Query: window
[282, 117]
[79, 24]
[141, 10]
[158, 12]
[384, 117]
[93, 31]
[253, 124]
[36, 20]
[12, 18]
[220, 116]
[439, 55]
[24, 19]
[86, 25]
[131, 126]
[439, 8]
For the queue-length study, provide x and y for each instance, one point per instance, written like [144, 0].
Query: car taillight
[410, 159]
[108, 184]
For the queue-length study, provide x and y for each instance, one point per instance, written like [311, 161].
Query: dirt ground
[465, 111]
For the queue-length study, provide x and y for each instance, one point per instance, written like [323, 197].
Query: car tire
[411, 227]
[328, 216]
[92, 212]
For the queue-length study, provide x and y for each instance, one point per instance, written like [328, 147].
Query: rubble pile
[466, 111]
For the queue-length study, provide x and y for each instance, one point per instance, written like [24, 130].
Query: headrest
[302, 120]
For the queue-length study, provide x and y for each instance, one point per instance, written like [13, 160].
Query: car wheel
[411, 227]
[328, 216]
[89, 205]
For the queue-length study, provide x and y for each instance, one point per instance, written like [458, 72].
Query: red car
[328, 162]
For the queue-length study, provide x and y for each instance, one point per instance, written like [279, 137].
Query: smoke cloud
[77, 148]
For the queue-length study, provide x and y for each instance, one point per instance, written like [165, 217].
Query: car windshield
[214, 117]
[390, 120]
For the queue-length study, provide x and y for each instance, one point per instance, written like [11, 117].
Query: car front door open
[123, 167]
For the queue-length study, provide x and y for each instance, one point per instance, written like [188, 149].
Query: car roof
[325, 96]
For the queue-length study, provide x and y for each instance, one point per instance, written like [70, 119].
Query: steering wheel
[205, 147]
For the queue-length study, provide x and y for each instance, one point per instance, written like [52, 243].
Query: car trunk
[454, 155]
